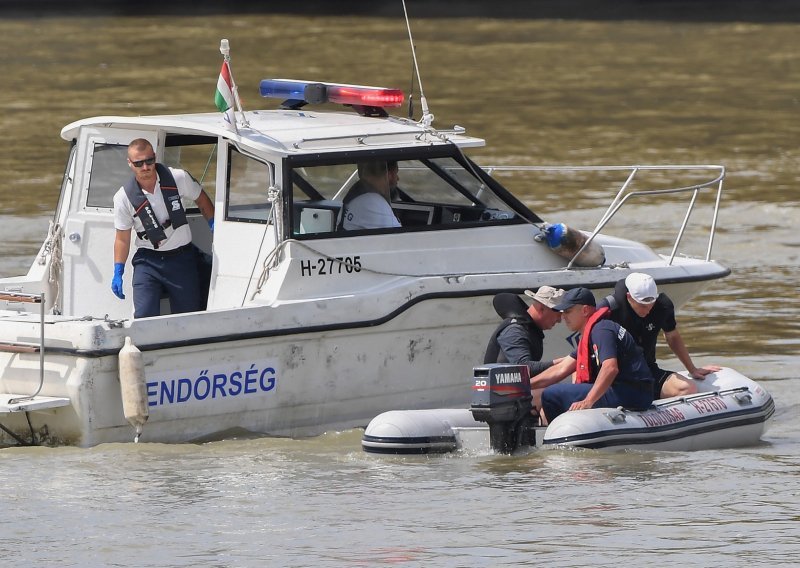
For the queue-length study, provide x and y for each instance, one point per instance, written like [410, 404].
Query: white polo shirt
[368, 211]
[124, 218]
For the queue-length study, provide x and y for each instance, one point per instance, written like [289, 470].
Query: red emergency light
[315, 92]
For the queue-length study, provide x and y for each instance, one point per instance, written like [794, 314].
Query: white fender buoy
[565, 242]
[132, 386]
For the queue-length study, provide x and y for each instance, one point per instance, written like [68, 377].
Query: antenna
[411, 94]
[427, 117]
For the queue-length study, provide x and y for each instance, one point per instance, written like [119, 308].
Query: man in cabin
[519, 339]
[367, 204]
[637, 306]
[610, 369]
[165, 260]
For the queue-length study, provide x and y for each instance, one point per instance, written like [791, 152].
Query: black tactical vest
[153, 230]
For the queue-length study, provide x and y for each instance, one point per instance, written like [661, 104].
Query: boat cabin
[278, 186]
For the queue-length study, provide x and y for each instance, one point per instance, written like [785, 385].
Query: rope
[270, 261]
[53, 247]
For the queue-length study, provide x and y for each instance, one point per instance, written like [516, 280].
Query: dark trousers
[173, 273]
[556, 399]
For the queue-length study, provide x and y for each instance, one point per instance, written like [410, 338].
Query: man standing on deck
[609, 367]
[165, 260]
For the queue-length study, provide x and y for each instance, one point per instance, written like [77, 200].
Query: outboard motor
[501, 397]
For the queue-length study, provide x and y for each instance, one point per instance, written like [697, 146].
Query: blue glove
[211, 224]
[116, 282]
[555, 235]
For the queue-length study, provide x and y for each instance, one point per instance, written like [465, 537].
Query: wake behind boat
[730, 410]
[307, 326]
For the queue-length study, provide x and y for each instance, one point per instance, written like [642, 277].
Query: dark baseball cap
[576, 297]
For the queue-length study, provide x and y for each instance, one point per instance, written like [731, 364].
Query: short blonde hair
[140, 144]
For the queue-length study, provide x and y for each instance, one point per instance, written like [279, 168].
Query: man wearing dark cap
[519, 340]
[609, 367]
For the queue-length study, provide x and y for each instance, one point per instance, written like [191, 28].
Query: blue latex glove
[116, 282]
[211, 224]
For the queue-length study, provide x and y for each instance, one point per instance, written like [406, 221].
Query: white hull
[337, 375]
[730, 411]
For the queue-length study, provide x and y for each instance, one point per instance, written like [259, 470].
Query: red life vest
[582, 373]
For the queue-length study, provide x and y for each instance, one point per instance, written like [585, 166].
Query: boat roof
[291, 131]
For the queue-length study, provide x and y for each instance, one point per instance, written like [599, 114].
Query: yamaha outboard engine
[501, 397]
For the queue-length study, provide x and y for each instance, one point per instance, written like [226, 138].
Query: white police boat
[730, 410]
[306, 327]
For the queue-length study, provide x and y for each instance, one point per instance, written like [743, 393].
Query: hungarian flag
[224, 97]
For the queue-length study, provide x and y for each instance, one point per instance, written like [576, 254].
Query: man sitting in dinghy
[610, 369]
[519, 340]
[638, 307]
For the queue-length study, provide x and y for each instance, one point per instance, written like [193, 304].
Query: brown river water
[541, 92]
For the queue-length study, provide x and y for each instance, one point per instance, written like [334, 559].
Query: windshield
[371, 194]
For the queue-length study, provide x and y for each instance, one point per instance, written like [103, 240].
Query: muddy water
[540, 92]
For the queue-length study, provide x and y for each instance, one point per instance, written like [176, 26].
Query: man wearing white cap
[638, 307]
[519, 340]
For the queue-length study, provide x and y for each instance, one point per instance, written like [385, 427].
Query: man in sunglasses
[637, 306]
[165, 260]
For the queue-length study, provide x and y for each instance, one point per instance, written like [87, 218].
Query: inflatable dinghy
[730, 411]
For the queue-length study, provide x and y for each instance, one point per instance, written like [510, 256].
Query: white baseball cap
[641, 287]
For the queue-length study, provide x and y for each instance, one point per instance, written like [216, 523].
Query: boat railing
[625, 193]
[27, 347]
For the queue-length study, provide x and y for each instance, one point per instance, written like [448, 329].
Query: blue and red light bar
[315, 92]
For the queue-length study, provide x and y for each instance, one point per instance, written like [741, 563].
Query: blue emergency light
[298, 93]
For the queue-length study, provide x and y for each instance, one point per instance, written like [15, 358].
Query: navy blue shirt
[609, 340]
[644, 330]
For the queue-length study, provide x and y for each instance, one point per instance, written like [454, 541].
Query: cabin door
[101, 169]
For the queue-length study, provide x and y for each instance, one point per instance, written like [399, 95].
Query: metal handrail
[34, 299]
[621, 197]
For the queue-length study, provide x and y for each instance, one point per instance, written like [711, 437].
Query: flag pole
[225, 50]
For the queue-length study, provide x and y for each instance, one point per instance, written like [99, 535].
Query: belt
[159, 252]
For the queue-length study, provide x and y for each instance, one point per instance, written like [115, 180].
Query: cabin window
[432, 193]
[196, 155]
[67, 180]
[248, 189]
[109, 171]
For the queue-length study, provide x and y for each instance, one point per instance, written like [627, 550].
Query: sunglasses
[139, 163]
